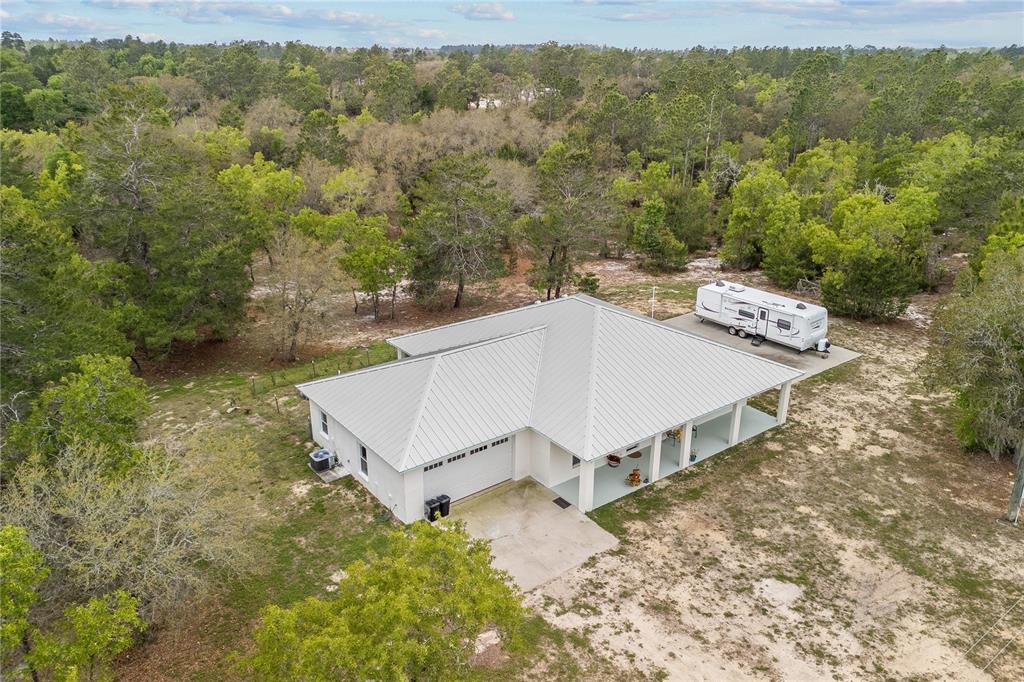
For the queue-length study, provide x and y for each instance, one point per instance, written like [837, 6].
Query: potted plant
[614, 461]
[693, 455]
[635, 478]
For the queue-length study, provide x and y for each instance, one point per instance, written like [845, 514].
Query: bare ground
[855, 542]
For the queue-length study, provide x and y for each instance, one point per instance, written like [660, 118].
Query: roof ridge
[425, 356]
[588, 428]
[499, 313]
[404, 460]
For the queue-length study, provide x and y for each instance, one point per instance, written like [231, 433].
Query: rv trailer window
[747, 314]
[783, 324]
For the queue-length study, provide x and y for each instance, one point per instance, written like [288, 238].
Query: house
[546, 391]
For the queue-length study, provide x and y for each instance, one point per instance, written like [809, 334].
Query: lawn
[306, 532]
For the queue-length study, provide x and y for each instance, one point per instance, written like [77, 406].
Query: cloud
[483, 11]
[55, 23]
[823, 13]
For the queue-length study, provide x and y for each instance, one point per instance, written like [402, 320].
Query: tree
[787, 253]
[54, 304]
[321, 138]
[377, 263]
[304, 273]
[574, 218]
[23, 569]
[392, 92]
[459, 227]
[17, 112]
[84, 644]
[100, 403]
[977, 353]
[159, 531]
[264, 198]
[655, 242]
[752, 200]
[412, 612]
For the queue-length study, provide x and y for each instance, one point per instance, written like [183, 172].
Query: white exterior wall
[560, 468]
[389, 486]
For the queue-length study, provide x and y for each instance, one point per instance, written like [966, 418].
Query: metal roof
[589, 375]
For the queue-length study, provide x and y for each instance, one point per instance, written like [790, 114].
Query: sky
[621, 23]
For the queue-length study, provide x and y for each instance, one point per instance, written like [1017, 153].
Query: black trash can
[433, 507]
[445, 503]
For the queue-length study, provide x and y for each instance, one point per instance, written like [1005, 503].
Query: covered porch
[603, 484]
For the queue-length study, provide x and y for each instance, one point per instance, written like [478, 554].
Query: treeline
[148, 188]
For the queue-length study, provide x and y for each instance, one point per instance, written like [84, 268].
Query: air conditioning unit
[322, 460]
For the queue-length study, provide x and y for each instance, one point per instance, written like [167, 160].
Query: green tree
[977, 353]
[752, 200]
[459, 226]
[575, 214]
[787, 252]
[300, 87]
[100, 403]
[84, 644]
[412, 612]
[23, 569]
[49, 108]
[53, 307]
[374, 261]
[321, 138]
[264, 198]
[393, 92]
[16, 113]
[657, 245]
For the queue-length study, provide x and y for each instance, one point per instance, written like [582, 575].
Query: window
[435, 465]
[783, 325]
[478, 449]
[364, 465]
[762, 314]
[500, 441]
[575, 461]
[747, 314]
[456, 458]
[323, 422]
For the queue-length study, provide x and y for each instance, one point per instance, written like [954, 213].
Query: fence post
[253, 380]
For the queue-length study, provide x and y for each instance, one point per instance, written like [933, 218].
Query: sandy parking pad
[531, 537]
[809, 362]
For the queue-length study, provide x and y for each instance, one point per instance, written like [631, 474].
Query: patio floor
[710, 438]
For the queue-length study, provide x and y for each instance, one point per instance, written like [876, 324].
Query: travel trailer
[763, 315]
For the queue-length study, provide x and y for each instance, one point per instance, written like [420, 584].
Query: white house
[547, 391]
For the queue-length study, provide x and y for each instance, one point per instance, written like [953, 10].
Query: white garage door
[470, 471]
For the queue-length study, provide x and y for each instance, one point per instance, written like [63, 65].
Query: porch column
[783, 410]
[655, 473]
[687, 446]
[586, 496]
[401, 353]
[521, 455]
[734, 423]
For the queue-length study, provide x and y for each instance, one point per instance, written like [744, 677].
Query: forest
[156, 195]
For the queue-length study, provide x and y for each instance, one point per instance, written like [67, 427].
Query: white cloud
[483, 11]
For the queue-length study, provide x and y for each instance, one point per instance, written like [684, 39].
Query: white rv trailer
[763, 315]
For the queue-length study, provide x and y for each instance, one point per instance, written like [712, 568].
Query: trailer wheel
[732, 331]
[743, 333]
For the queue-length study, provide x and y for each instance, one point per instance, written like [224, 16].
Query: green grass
[684, 292]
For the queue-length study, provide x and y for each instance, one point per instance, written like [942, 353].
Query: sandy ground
[842, 556]
[856, 542]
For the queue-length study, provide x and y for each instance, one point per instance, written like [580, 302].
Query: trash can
[433, 507]
[444, 503]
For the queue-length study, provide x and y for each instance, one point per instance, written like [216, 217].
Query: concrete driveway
[531, 537]
[809, 362]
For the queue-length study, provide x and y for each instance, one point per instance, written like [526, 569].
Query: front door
[762, 321]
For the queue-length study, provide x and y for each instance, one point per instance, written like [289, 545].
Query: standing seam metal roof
[589, 375]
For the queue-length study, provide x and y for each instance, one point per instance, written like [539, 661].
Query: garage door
[470, 471]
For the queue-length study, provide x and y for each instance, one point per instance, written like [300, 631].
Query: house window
[478, 449]
[435, 465]
[747, 314]
[575, 461]
[783, 325]
[323, 422]
[364, 465]
[500, 441]
[455, 458]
